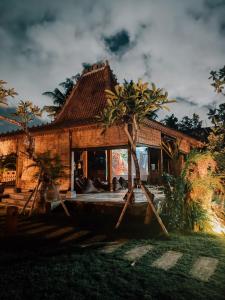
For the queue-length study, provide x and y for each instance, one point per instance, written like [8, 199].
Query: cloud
[174, 43]
[118, 43]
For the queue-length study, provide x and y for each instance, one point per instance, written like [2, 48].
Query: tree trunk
[132, 146]
[137, 168]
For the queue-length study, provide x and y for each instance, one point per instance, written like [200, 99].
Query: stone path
[137, 252]
[204, 268]
[112, 247]
[167, 260]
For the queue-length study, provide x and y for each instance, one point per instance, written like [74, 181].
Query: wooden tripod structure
[131, 132]
[149, 211]
[34, 196]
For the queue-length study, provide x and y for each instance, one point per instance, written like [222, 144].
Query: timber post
[109, 169]
[84, 158]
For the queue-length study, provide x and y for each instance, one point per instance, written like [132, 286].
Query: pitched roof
[87, 98]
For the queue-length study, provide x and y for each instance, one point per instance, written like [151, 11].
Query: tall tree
[59, 96]
[128, 105]
[25, 113]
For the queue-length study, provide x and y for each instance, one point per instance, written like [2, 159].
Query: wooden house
[84, 150]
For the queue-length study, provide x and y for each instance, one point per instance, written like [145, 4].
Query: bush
[177, 212]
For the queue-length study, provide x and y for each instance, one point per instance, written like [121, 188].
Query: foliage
[129, 104]
[218, 78]
[171, 121]
[26, 112]
[132, 101]
[186, 124]
[50, 167]
[59, 96]
[178, 213]
[6, 92]
[172, 210]
[189, 197]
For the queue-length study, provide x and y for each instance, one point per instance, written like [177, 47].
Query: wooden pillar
[84, 158]
[72, 171]
[149, 166]
[130, 183]
[161, 161]
[160, 164]
[109, 169]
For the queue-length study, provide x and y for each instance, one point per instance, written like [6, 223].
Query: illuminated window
[120, 162]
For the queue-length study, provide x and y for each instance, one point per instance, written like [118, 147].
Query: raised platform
[111, 201]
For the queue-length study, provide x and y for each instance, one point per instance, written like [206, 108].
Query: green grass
[38, 270]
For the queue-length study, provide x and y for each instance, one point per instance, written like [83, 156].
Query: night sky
[174, 43]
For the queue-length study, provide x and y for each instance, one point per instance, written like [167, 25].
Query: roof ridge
[94, 67]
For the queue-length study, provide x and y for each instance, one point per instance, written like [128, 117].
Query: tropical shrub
[190, 197]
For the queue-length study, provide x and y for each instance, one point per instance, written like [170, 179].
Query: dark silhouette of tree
[59, 96]
[171, 121]
[186, 124]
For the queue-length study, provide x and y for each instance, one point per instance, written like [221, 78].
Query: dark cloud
[187, 101]
[118, 43]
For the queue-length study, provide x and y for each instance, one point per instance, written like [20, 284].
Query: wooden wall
[149, 136]
[8, 146]
[184, 146]
[62, 140]
[91, 136]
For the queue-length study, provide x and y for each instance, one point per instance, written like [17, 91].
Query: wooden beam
[149, 166]
[149, 197]
[109, 169]
[72, 171]
[148, 214]
[129, 199]
[84, 158]
[161, 161]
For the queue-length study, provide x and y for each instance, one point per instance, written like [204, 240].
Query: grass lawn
[38, 269]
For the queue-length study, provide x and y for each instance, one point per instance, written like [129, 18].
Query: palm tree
[129, 104]
[59, 97]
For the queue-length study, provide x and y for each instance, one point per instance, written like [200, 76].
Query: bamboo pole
[35, 197]
[149, 198]
[60, 199]
[31, 195]
[124, 208]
